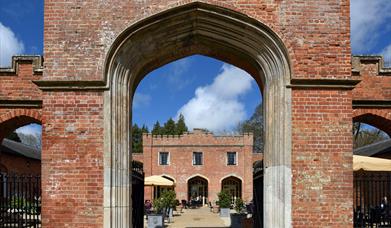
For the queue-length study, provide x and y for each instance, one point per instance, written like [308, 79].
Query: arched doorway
[197, 190]
[261, 53]
[233, 185]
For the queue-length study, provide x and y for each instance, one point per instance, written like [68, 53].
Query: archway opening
[233, 185]
[197, 191]
[261, 53]
[371, 187]
[20, 171]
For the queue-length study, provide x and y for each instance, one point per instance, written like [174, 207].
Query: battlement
[358, 62]
[198, 137]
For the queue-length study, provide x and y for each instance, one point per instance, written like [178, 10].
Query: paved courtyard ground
[195, 218]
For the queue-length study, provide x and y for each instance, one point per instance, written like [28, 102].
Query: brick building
[18, 158]
[200, 163]
[97, 52]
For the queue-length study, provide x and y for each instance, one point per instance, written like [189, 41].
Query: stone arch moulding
[198, 28]
[197, 175]
[231, 175]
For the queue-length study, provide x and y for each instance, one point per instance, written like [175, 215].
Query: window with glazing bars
[231, 158]
[163, 158]
[197, 158]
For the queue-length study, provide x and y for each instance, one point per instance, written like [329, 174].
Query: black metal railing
[137, 195]
[258, 194]
[20, 201]
[372, 192]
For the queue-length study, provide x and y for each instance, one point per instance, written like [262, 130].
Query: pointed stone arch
[198, 175]
[198, 28]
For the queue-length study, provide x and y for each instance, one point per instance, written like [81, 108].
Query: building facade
[97, 52]
[200, 164]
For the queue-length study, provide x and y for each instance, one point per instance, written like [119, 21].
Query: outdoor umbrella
[370, 163]
[157, 181]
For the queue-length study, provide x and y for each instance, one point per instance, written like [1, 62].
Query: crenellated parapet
[35, 60]
[360, 62]
[198, 137]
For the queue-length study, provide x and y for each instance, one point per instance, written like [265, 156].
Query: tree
[365, 136]
[169, 127]
[136, 139]
[181, 125]
[157, 129]
[254, 125]
[14, 137]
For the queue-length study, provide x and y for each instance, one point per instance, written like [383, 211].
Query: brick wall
[214, 167]
[372, 96]
[20, 165]
[322, 158]
[20, 98]
[72, 159]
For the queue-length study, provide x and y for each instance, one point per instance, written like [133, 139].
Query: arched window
[233, 185]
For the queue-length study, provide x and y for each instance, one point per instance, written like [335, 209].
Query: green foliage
[254, 125]
[181, 125]
[18, 202]
[157, 129]
[239, 204]
[224, 199]
[169, 127]
[14, 137]
[365, 136]
[137, 138]
[166, 200]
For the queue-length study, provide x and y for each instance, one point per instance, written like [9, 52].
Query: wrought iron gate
[372, 192]
[137, 195]
[258, 194]
[20, 201]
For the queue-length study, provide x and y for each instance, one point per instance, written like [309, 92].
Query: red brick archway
[379, 118]
[13, 119]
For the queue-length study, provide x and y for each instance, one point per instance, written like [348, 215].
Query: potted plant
[224, 203]
[238, 217]
[169, 202]
[162, 206]
[156, 219]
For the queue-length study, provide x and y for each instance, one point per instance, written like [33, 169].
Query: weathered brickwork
[19, 165]
[78, 36]
[372, 96]
[322, 158]
[72, 159]
[214, 167]
[20, 98]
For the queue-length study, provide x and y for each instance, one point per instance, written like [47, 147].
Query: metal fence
[137, 195]
[372, 192]
[20, 201]
[258, 194]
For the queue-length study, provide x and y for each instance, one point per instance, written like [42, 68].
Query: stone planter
[155, 221]
[224, 212]
[237, 220]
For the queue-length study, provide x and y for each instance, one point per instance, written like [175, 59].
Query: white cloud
[141, 99]
[217, 107]
[9, 45]
[31, 129]
[368, 19]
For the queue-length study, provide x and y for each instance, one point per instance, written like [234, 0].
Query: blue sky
[193, 83]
